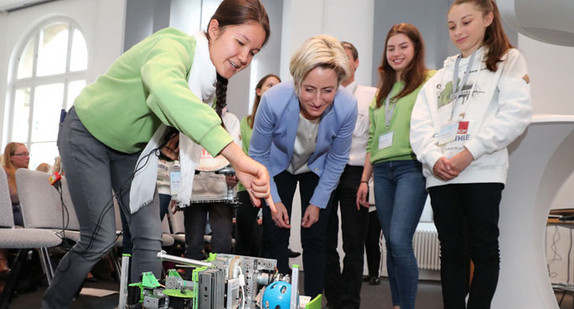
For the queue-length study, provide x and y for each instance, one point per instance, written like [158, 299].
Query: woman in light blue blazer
[302, 134]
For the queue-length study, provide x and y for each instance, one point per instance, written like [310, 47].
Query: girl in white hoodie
[464, 118]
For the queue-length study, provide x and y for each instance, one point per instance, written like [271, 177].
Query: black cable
[65, 216]
[109, 205]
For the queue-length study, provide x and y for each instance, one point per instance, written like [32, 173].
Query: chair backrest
[41, 203]
[6, 215]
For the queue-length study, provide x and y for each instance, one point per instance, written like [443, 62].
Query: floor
[428, 297]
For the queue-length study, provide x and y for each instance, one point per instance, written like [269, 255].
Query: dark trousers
[313, 239]
[164, 200]
[466, 217]
[343, 288]
[248, 234]
[372, 245]
[195, 220]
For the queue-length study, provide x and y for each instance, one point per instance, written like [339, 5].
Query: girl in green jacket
[162, 81]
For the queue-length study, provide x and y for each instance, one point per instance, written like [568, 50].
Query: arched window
[49, 72]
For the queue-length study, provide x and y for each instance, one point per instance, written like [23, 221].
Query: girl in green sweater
[162, 81]
[399, 183]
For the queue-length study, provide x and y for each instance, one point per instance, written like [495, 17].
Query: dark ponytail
[220, 96]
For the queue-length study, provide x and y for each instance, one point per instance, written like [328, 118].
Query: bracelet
[365, 181]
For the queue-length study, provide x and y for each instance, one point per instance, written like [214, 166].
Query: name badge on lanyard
[449, 131]
[451, 127]
[385, 140]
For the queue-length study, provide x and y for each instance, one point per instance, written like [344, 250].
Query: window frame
[35, 81]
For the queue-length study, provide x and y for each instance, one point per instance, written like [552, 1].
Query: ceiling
[8, 5]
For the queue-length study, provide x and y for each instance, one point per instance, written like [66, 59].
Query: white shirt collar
[352, 87]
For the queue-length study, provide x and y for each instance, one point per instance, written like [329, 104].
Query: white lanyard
[389, 112]
[457, 88]
[456, 92]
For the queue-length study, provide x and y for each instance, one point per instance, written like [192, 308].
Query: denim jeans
[93, 170]
[400, 197]
[466, 217]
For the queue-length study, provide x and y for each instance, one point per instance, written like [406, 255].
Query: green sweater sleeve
[147, 86]
[171, 100]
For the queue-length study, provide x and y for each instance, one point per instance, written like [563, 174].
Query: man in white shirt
[343, 289]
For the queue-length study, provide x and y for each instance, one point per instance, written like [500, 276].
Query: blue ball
[277, 295]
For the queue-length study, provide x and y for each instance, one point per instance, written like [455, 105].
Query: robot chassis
[223, 281]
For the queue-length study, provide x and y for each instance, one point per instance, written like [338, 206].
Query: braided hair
[220, 96]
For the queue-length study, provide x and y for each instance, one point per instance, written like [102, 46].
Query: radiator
[426, 247]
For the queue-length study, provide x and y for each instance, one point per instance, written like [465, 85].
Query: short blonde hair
[319, 51]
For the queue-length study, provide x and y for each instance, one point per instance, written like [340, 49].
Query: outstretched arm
[252, 175]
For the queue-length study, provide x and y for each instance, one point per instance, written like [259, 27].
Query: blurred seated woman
[15, 156]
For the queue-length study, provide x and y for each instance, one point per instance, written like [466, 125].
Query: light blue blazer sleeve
[275, 129]
[273, 138]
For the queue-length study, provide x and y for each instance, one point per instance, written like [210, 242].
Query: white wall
[101, 21]
[345, 20]
[550, 68]
[352, 21]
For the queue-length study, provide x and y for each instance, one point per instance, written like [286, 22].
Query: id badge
[448, 133]
[386, 140]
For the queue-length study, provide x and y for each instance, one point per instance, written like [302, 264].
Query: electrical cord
[65, 216]
[109, 205]
[555, 255]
